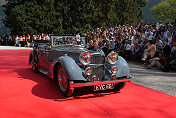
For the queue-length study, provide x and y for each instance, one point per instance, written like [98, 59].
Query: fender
[69, 65]
[123, 68]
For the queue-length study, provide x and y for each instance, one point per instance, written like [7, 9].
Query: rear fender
[69, 65]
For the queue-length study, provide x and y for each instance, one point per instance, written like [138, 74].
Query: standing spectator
[169, 37]
[34, 38]
[39, 37]
[112, 45]
[28, 39]
[166, 49]
[6, 41]
[43, 36]
[21, 41]
[0, 40]
[47, 37]
[166, 52]
[90, 44]
[24, 41]
[17, 42]
[128, 47]
[10, 40]
[163, 37]
[106, 47]
[95, 44]
[78, 37]
[166, 32]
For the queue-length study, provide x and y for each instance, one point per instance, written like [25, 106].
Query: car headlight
[88, 71]
[85, 58]
[114, 70]
[112, 57]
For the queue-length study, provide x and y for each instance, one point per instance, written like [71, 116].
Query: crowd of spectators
[155, 44]
[23, 40]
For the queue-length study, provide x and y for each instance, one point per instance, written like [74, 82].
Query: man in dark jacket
[166, 49]
[166, 52]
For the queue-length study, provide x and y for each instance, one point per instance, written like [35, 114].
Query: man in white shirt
[128, 50]
[78, 37]
[112, 45]
[47, 37]
[17, 40]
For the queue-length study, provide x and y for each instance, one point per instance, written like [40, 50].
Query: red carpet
[24, 94]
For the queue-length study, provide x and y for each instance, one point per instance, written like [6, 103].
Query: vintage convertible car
[66, 60]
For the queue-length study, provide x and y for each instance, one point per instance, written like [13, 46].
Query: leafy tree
[33, 17]
[69, 16]
[166, 10]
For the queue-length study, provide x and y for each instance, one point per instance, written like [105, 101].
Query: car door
[42, 57]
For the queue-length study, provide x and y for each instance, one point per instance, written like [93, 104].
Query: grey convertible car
[71, 65]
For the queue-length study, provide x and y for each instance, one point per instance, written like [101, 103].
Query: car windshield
[68, 40]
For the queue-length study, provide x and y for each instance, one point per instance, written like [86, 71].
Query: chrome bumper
[72, 85]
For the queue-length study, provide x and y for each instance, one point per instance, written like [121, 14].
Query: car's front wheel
[63, 82]
[119, 86]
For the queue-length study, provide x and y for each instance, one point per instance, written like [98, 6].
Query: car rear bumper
[73, 85]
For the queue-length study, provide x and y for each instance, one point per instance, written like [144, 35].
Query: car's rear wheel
[63, 82]
[120, 86]
[34, 65]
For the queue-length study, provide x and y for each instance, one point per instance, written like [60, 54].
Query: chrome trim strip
[95, 65]
[97, 83]
[96, 54]
[91, 64]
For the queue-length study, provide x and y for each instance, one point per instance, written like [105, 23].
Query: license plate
[104, 87]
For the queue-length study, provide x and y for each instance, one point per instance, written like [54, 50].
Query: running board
[43, 72]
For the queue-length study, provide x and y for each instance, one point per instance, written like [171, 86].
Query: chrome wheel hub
[62, 79]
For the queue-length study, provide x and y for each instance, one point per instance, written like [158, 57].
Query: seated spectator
[149, 52]
[174, 48]
[158, 42]
[160, 62]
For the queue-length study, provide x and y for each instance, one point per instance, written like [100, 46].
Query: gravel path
[153, 78]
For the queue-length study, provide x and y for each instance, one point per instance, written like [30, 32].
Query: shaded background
[148, 17]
